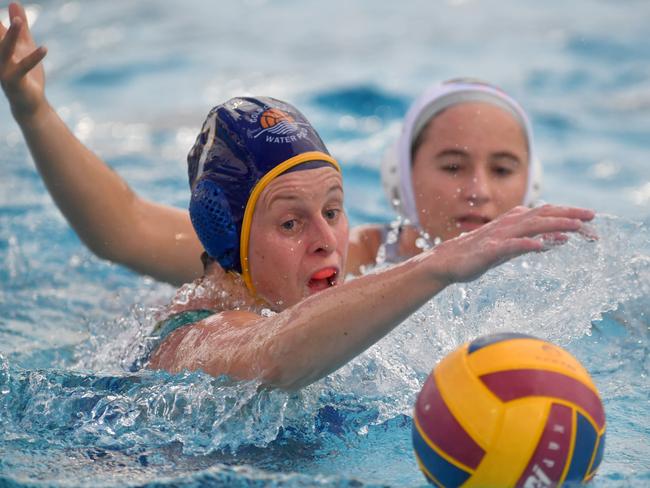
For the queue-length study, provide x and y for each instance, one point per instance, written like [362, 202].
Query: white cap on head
[396, 164]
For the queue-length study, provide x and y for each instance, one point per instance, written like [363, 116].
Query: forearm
[106, 214]
[82, 185]
[308, 341]
[322, 333]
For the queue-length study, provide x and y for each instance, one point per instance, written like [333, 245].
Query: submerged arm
[323, 332]
[108, 216]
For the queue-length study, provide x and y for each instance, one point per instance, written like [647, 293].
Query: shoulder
[193, 344]
[364, 244]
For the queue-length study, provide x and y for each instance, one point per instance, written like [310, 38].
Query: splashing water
[117, 427]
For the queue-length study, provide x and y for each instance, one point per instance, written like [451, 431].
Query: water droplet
[391, 237]
[381, 255]
[267, 312]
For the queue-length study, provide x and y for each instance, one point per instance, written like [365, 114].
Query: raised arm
[107, 215]
[323, 332]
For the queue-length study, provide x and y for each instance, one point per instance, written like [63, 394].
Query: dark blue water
[134, 81]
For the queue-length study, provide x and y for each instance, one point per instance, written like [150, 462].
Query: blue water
[134, 81]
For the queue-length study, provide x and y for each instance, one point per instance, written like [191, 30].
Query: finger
[30, 61]
[514, 211]
[554, 236]
[8, 45]
[3, 30]
[549, 241]
[588, 232]
[519, 209]
[535, 226]
[20, 13]
[17, 10]
[511, 248]
[568, 212]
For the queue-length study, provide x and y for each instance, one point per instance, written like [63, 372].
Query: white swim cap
[396, 164]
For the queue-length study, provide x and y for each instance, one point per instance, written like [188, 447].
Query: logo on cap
[278, 127]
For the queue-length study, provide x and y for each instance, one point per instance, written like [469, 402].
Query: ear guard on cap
[244, 144]
[212, 220]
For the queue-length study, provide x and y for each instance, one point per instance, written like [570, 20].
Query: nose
[476, 190]
[323, 239]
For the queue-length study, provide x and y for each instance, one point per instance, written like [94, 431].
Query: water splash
[92, 417]
[554, 295]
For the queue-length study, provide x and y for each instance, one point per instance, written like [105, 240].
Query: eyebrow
[293, 197]
[506, 154]
[496, 155]
[452, 152]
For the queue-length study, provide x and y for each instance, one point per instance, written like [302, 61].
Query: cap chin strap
[255, 194]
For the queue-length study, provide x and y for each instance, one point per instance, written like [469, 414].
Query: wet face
[299, 236]
[471, 166]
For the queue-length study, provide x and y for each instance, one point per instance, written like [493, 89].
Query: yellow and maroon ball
[509, 410]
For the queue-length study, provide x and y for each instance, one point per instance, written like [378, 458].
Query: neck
[216, 290]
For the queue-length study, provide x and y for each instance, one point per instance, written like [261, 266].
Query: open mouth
[469, 222]
[323, 279]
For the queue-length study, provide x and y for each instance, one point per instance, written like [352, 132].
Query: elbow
[290, 361]
[103, 249]
[288, 375]
[110, 250]
[276, 378]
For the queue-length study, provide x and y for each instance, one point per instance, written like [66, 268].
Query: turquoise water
[134, 81]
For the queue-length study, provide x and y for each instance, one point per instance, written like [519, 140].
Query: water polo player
[267, 204]
[464, 156]
[284, 234]
[113, 223]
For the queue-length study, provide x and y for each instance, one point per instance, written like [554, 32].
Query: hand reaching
[21, 71]
[516, 232]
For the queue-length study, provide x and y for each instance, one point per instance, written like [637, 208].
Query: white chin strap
[396, 163]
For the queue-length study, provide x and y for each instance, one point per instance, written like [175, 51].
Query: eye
[289, 224]
[451, 168]
[502, 171]
[332, 213]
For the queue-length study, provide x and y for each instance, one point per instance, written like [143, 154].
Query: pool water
[134, 81]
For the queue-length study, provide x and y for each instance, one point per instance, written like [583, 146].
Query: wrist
[439, 269]
[32, 116]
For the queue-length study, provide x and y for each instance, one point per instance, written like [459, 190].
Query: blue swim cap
[244, 144]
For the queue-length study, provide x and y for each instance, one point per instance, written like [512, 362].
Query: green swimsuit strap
[176, 321]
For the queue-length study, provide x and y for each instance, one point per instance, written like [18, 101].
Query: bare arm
[108, 216]
[323, 332]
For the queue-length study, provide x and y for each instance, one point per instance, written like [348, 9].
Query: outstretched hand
[21, 72]
[519, 231]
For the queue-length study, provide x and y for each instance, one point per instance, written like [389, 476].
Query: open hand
[21, 71]
[516, 232]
